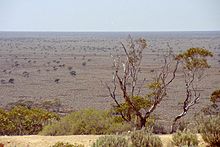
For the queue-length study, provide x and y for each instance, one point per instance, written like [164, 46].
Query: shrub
[184, 138]
[144, 138]
[110, 141]
[84, 64]
[6, 125]
[23, 121]
[61, 144]
[12, 81]
[210, 130]
[72, 73]
[86, 122]
[215, 96]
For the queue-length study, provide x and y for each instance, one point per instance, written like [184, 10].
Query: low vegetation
[139, 138]
[62, 144]
[24, 121]
[185, 138]
[144, 138]
[111, 141]
[210, 130]
[87, 122]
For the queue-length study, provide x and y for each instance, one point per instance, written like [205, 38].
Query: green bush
[7, 127]
[61, 144]
[24, 121]
[210, 130]
[184, 138]
[110, 141]
[86, 122]
[145, 139]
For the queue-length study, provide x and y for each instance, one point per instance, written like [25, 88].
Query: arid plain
[73, 67]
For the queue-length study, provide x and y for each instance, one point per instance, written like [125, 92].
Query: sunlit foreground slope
[47, 141]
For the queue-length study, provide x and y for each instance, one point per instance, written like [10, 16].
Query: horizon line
[90, 31]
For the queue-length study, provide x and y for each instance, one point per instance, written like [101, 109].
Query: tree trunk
[141, 123]
[175, 120]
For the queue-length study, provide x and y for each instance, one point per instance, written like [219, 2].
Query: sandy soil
[49, 57]
[46, 141]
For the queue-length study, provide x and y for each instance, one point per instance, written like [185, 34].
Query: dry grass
[46, 141]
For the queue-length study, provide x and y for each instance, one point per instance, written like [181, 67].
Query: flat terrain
[73, 67]
[47, 141]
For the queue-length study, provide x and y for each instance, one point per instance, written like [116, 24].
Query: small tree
[136, 108]
[193, 63]
[214, 108]
[215, 96]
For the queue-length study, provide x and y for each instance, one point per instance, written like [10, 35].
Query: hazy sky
[109, 15]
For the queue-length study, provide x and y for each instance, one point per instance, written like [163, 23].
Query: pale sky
[109, 15]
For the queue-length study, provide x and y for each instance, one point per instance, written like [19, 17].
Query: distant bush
[111, 141]
[84, 64]
[86, 122]
[52, 105]
[12, 81]
[23, 121]
[61, 144]
[72, 73]
[210, 130]
[184, 138]
[145, 139]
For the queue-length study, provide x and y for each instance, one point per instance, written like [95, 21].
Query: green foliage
[195, 58]
[184, 138]
[210, 130]
[127, 110]
[61, 144]
[86, 122]
[145, 139]
[23, 121]
[110, 141]
[6, 125]
[154, 85]
[215, 96]
[139, 102]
